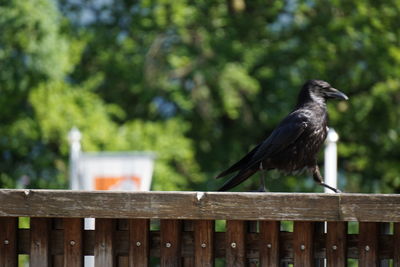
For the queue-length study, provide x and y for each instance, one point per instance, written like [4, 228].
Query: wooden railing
[178, 228]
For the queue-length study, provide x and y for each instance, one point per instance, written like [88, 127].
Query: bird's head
[319, 90]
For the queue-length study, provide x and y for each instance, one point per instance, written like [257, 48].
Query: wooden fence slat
[40, 244]
[269, 243]
[383, 230]
[204, 243]
[57, 259]
[336, 249]
[170, 247]
[396, 245]
[368, 244]
[319, 230]
[104, 243]
[251, 229]
[188, 260]
[8, 239]
[139, 246]
[235, 239]
[303, 248]
[73, 243]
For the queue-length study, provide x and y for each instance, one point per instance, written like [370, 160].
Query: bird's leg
[262, 187]
[318, 179]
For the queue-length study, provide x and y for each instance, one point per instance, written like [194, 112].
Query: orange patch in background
[107, 183]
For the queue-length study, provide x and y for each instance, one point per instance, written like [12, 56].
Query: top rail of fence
[201, 205]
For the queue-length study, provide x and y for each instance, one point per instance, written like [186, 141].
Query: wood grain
[188, 228]
[303, 244]
[396, 245]
[170, 244]
[104, 254]
[139, 245]
[40, 242]
[269, 243]
[121, 240]
[368, 244]
[73, 242]
[201, 205]
[204, 243]
[235, 243]
[8, 241]
[336, 246]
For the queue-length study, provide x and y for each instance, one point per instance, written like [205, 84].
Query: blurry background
[198, 82]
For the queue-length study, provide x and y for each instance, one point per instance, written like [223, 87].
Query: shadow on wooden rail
[179, 228]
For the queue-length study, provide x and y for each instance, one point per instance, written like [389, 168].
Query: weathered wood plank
[369, 207]
[201, 205]
[368, 244]
[73, 242]
[269, 243]
[188, 227]
[384, 229]
[303, 244]
[170, 244]
[252, 244]
[139, 246]
[8, 241]
[104, 254]
[235, 243]
[204, 243]
[319, 230]
[336, 249]
[396, 245]
[40, 244]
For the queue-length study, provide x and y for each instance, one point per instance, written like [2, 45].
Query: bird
[293, 145]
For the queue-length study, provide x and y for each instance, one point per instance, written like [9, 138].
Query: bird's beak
[335, 93]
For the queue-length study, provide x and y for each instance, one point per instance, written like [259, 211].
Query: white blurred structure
[74, 138]
[130, 171]
[330, 159]
[127, 171]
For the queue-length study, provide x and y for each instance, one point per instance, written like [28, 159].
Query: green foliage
[32, 51]
[33, 144]
[197, 82]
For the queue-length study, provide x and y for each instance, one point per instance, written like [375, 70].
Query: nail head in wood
[6, 242]
[233, 245]
[72, 243]
[168, 245]
[367, 248]
[302, 247]
[269, 246]
[203, 245]
[138, 244]
[334, 247]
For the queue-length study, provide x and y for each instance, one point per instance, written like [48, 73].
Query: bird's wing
[285, 134]
[240, 164]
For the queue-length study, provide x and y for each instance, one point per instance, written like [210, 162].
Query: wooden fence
[178, 228]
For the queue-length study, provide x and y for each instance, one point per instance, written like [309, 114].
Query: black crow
[293, 146]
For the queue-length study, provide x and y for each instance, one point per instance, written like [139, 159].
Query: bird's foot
[331, 188]
[261, 189]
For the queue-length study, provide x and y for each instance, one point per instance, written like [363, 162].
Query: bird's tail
[237, 179]
[242, 163]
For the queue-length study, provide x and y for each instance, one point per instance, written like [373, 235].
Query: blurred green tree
[41, 103]
[201, 82]
[232, 70]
